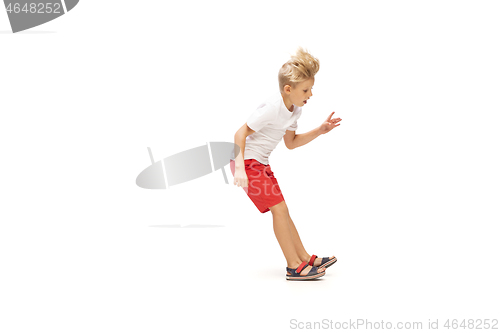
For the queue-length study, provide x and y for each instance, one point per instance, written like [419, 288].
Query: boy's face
[301, 93]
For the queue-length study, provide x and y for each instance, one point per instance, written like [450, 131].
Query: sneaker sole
[302, 278]
[328, 263]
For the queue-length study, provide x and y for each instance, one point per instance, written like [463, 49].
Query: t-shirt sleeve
[293, 127]
[261, 117]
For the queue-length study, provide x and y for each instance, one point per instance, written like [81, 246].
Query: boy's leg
[282, 226]
[299, 247]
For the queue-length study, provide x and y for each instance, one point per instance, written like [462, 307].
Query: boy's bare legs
[299, 247]
[301, 251]
[287, 237]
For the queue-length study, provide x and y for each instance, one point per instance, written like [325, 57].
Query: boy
[257, 138]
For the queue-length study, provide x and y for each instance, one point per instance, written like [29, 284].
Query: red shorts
[263, 188]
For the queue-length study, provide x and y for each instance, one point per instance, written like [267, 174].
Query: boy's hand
[329, 124]
[240, 178]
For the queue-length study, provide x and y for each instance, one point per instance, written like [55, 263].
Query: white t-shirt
[270, 122]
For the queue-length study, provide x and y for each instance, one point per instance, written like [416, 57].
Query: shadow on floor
[187, 226]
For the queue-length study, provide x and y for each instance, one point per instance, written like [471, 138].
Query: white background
[405, 192]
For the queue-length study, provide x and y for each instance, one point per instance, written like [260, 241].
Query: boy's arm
[293, 140]
[240, 139]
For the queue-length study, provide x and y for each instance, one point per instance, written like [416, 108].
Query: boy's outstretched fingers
[330, 116]
[329, 124]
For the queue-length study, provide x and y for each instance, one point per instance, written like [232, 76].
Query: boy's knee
[280, 208]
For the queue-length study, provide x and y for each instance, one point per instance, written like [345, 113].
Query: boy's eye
[305, 90]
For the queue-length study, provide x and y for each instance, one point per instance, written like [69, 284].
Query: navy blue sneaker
[325, 262]
[294, 274]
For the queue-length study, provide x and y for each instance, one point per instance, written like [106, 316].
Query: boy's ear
[287, 89]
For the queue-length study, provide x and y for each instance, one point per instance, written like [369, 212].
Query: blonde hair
[300, 67]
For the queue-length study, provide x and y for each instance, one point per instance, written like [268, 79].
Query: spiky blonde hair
[300, 67]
